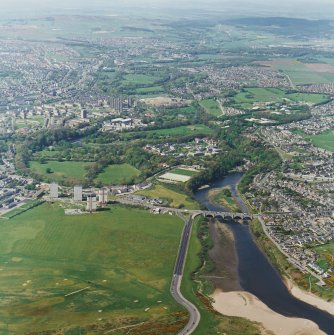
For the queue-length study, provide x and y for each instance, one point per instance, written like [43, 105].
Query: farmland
[118, 174]
[302, 73]
[84, 273]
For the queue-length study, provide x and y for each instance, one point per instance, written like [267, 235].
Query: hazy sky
[298, 8]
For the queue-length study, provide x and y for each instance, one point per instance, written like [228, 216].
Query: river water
[256, 274]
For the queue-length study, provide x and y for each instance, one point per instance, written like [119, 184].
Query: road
[194, 315]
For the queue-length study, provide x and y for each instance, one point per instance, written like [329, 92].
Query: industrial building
[103, 196]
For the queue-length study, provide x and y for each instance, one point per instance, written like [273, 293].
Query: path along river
[256, 274]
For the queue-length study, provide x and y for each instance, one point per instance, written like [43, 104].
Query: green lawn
[140, 79]
[150, 90]
[122, 257]
[184, 172]
[211, 106]
[118, 174]
[324, 140]
[252, 95]
[183, 130]
[70, 171]
[175, 199]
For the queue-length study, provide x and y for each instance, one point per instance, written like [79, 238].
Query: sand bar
[246, 305]
[309, 297]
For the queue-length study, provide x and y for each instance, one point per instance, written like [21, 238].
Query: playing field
[324, 140]
[211, 106]
[140, 79]
[175, 199]
[249, 96]
[183, 130]
[184, 172]
[118, 174]
[73, 172]
[88, 274]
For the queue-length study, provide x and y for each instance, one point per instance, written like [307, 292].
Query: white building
[77, 193]
[91, 203]
[54, 190]
[103, 196]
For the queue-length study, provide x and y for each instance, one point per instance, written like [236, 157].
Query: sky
[297, 8]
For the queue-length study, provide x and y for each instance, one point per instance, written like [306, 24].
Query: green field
[324, 140]
[140, 79]
[175, 199]
[184, 172]
[249, 96]
[122, 258]
[69, 171]
[183, 130]
[118, 174]
[300, 73]
[211, 106]
[326, 256]
[150, 90]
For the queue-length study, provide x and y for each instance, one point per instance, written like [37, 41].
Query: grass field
[183, 130]
[140, 79]
[326, 255]
[184, 172]
[121, 258]
[175, 199]
[69, 171]
[118, 174]
[255, 94]
[303, 73]
[324, 140]
[211, 106]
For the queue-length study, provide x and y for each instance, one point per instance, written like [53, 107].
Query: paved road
[177, 279]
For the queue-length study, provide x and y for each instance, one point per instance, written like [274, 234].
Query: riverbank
[223, 254]
[309, 297]
[246, 305]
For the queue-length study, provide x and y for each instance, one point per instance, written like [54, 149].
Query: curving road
[177, 279]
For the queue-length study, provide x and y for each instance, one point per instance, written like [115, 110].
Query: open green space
[252, 95]
[174, 198]
[211, 106]
[183, 130]
[184, 172]
[301, 73]
[150, 90]
[88, 274]
[140, 79]
[211, 323]
[326, 256]
[118, 174]
[324, 140]
[69, 171]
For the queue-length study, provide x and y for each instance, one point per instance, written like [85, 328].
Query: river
[256, 273]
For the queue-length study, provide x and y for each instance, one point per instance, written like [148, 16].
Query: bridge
[227, 215]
